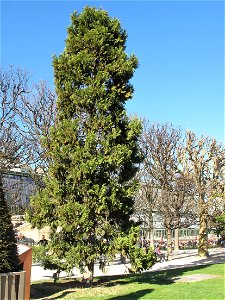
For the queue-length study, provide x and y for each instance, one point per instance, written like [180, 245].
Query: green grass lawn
[150, 285]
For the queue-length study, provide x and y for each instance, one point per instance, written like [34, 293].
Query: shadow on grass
[46, 289]
[163, 277]
[132, 296]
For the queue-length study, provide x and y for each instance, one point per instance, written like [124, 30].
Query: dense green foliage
[219, 226]
[48, 259]
[141, 258]
[9, 260]
[88, 199]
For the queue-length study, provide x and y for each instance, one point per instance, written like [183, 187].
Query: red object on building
[25, 255]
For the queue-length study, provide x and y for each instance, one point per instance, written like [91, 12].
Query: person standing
[43, 241]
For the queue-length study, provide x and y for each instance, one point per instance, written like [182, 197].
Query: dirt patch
[194, 278]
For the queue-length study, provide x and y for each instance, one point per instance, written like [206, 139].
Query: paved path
[190, 258]
[180, 259]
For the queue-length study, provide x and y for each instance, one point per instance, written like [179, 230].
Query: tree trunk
[203, 235]
[91, 272]
[150, 228]
[176, 239]
[203, 227]
[151, 239]
[169, 243]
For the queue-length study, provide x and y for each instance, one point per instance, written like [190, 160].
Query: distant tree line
[182, 179]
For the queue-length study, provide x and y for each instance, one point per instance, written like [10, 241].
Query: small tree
[9, 260]
[217, 221]
[219, 226]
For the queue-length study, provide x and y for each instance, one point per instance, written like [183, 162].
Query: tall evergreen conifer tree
[9, 260]
[88, 199]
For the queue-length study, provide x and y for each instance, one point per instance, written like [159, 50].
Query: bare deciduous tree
[160, 145]
[37, 115]
[13, 86]
[183, 204]
[205, 162]
[165, 186]
[26, 115]
[145, 201]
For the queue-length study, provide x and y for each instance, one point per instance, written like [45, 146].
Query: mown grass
[149, 285]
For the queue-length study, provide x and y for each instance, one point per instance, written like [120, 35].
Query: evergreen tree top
[93, 67]
[97, 21]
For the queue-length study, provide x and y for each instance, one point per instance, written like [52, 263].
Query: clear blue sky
[179, 44]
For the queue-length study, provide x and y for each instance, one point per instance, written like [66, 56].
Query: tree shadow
[165, 277]
[132, 296]
[45, 289]
[148, 277]
[64, 294]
